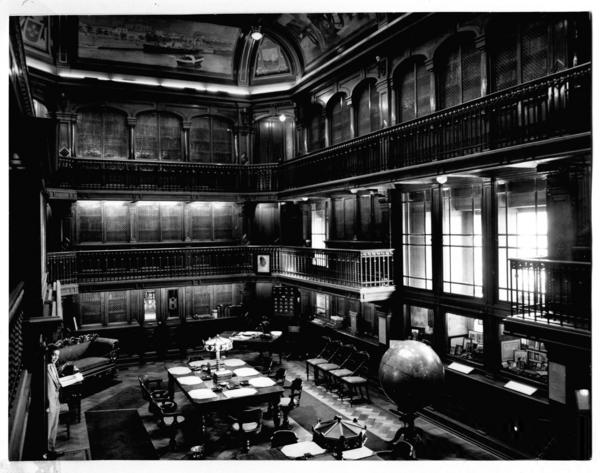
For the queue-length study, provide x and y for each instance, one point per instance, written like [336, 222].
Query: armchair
[287, 403]
[248, 423]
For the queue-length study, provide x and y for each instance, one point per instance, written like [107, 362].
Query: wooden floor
[376, 415]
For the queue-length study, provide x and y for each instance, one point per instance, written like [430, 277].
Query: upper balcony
[366, 273]
[550, 114]
[553, 294]
[164, 176]
[551, 107]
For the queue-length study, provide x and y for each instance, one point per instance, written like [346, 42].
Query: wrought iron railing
[164, 176]
[349, 268]
[553, 106]
[551, 291]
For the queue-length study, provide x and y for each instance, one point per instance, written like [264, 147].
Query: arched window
[458, 68]
[274, 140]
[521, 52]
[316, 129]
[211, 140]
[366, 99]
[158, 136]
[102, 133]
[339, 119]
[413, 90]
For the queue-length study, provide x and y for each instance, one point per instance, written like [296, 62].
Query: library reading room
[300, 236]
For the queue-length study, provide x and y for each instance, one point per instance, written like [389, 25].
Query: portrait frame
[263, 264]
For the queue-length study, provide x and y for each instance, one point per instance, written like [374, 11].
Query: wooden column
[131, 121]
[186, 125]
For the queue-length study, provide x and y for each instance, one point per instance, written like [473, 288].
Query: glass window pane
[117, 307]
[146, 136]
[200, 140]
[171, 221]
[170, 137]
[116, 218]
[90, 308]
[89, 220]
[148, 223]
[465, 338]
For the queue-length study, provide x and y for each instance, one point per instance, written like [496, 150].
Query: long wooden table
[220, 402]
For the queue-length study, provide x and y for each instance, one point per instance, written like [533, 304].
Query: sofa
[92, 356]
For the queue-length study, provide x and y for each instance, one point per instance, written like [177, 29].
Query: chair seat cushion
[91, 362]
[316, 361]
[328, 366]
[341, 372]
[246, 426]
[170, 420]
[354, 379]
[285, 401]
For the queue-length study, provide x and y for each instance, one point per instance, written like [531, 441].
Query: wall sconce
[441, 179]
[282, 118]
[256, 34]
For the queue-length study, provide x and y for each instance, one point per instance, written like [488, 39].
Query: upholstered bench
[92, 356]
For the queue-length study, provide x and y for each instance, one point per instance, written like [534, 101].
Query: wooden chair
[281, 438]
[166, 413]
[328, 350]
[279, 376]
[287, 403]
[248, 424]
[351, 368]
[337, 361]
[355, 387]
[152, 390]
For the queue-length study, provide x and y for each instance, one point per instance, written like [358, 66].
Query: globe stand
[408, 432]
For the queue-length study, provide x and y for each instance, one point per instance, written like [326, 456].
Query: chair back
[357, 361]
[282, 438]
[250, 415]
[296, 391]
[342, 354]
[280, 376]
[330, 351]
[145, 393]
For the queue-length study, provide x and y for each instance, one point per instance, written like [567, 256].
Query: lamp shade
[218, 343]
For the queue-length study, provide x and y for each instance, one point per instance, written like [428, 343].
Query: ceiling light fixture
[441, 179]
[256, 34]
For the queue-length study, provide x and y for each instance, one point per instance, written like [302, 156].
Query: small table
[256, 341]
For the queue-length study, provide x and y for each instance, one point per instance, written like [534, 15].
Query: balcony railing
[163, 176]
[550, 107]
[551, 292]
[349, 268]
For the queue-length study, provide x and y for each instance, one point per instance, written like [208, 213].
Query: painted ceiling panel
[167, 42]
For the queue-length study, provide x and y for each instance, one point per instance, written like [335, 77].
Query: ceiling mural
[181, 45]
[270, 59]
[318, 33]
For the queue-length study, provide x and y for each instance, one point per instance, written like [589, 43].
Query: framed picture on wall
[263, 264]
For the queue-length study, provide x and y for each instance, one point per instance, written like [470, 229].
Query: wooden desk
[221, 402]
[256, 342]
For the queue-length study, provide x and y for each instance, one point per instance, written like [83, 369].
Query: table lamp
[218, 344]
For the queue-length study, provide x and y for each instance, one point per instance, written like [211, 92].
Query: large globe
[411, 374]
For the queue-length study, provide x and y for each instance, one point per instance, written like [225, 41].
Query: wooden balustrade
[553, 106]
[551, 291]
[350, 268]
[16, 342]
[164, 176]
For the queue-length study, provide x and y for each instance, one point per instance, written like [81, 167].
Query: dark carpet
[129, 397]
[118, 435]
[311, 410]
